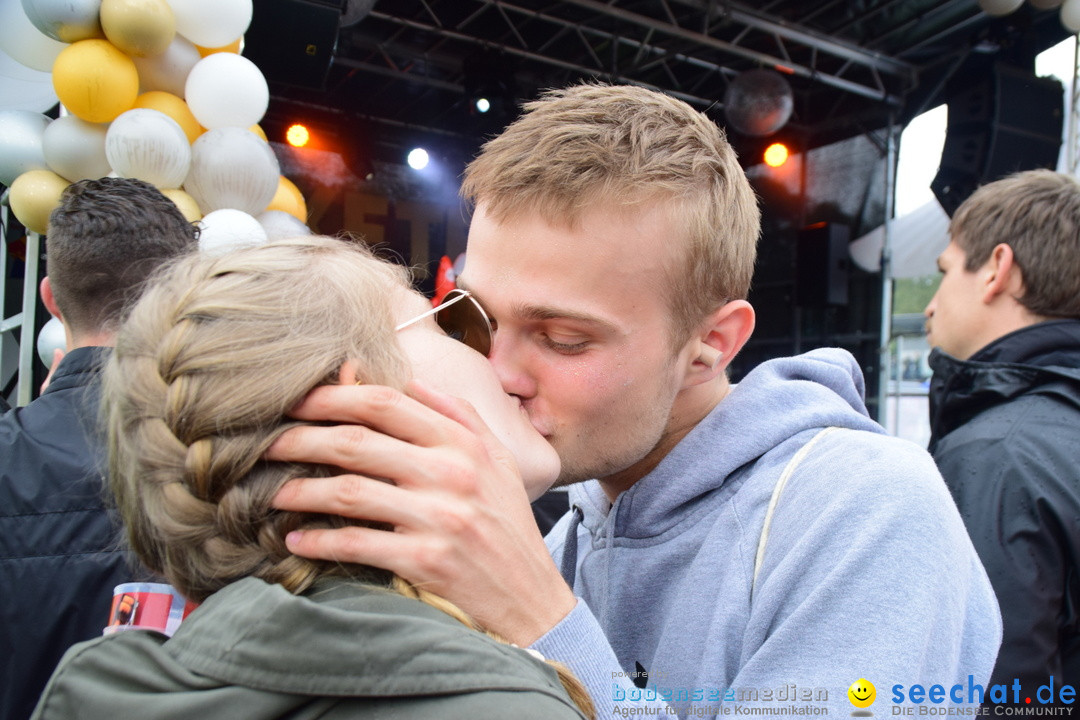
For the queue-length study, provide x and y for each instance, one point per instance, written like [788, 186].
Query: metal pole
[4, 322]
[885, 361]
[27, 341]
[1072, 157]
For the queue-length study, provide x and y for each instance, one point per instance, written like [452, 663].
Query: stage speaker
[821, 265]
[293, 41]
[1007, 121]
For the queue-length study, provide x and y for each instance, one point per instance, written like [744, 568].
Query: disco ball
[758, 102]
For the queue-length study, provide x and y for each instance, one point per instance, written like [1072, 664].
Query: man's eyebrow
[549, 312]
[526, 311]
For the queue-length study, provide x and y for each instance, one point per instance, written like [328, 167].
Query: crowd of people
[340, 475]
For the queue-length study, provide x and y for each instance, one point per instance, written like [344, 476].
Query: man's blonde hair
[1037, 214]
[600, 145]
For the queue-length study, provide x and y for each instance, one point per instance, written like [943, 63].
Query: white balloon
[148, 145]
[232, 168]
[999, 8]
[21, 133]
[51, 337]
[229, 229]
[65, 20]
[1070, 15]
[169, 70]
[227, 90]
[24, 42]
[23, 88]
[279, 224]
[212, 23]
[75, 148]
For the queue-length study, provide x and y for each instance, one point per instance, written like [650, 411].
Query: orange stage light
[776, 155]
[297, 135]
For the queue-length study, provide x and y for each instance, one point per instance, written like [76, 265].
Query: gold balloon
[95, 81]
[259, 131]
[34, 195]
[233, 47]
[175, 108]
[289, 199]
[187, 205]
[142, 28]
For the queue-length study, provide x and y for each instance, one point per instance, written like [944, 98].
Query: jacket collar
[1045, 356]
[78, 368]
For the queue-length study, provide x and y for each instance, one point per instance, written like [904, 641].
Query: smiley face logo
[862, 693]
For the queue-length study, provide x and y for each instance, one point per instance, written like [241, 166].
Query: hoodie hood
[775, 402]
[404, 646]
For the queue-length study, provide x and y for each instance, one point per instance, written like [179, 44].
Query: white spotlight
[418, 158]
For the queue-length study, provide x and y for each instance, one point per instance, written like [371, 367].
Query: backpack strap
[784, 476]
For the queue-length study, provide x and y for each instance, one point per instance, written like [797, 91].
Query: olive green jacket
[347, 650]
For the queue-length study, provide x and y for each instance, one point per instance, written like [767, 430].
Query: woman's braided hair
[205, 367]
[204, 370]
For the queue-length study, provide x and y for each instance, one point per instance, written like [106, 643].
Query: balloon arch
[149, 89]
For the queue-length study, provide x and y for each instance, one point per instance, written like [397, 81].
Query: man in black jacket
[1005, 411]
[59, 548]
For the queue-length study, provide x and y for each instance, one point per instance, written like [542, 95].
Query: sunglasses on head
[461, 317]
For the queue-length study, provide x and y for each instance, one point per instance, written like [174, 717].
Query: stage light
[776, 155]
[297, 135]
[482, 104]
[418, 158]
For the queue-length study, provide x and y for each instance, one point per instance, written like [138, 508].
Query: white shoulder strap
[788, 471]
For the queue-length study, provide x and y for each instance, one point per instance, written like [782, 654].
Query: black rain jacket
[1005, 432]
[59, 559]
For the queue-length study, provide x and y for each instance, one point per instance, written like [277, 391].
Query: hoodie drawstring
[569, 558]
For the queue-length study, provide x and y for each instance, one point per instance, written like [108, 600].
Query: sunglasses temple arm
[429, 313]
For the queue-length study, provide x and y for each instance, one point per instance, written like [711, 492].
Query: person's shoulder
[874, 474]
[104, 664]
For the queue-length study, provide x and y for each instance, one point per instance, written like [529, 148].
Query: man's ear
[1001, 275]
[49, 300]
[720, 339]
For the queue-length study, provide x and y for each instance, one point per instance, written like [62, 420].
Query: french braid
[205, 367]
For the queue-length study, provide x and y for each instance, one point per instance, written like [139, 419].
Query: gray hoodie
[256, 652]
[866, 571]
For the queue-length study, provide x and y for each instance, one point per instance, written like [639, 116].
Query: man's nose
[508, 357]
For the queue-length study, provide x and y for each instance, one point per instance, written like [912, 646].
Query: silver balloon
[23, 88]
[280, 225]
[65, 20]
[75, 149]
[21, 133]
[22, 41]
[169, 70]
[232, 168]
[758, 102]
[50, 338]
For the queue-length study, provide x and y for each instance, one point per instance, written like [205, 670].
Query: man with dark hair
[1005, 409]
[59, 550]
